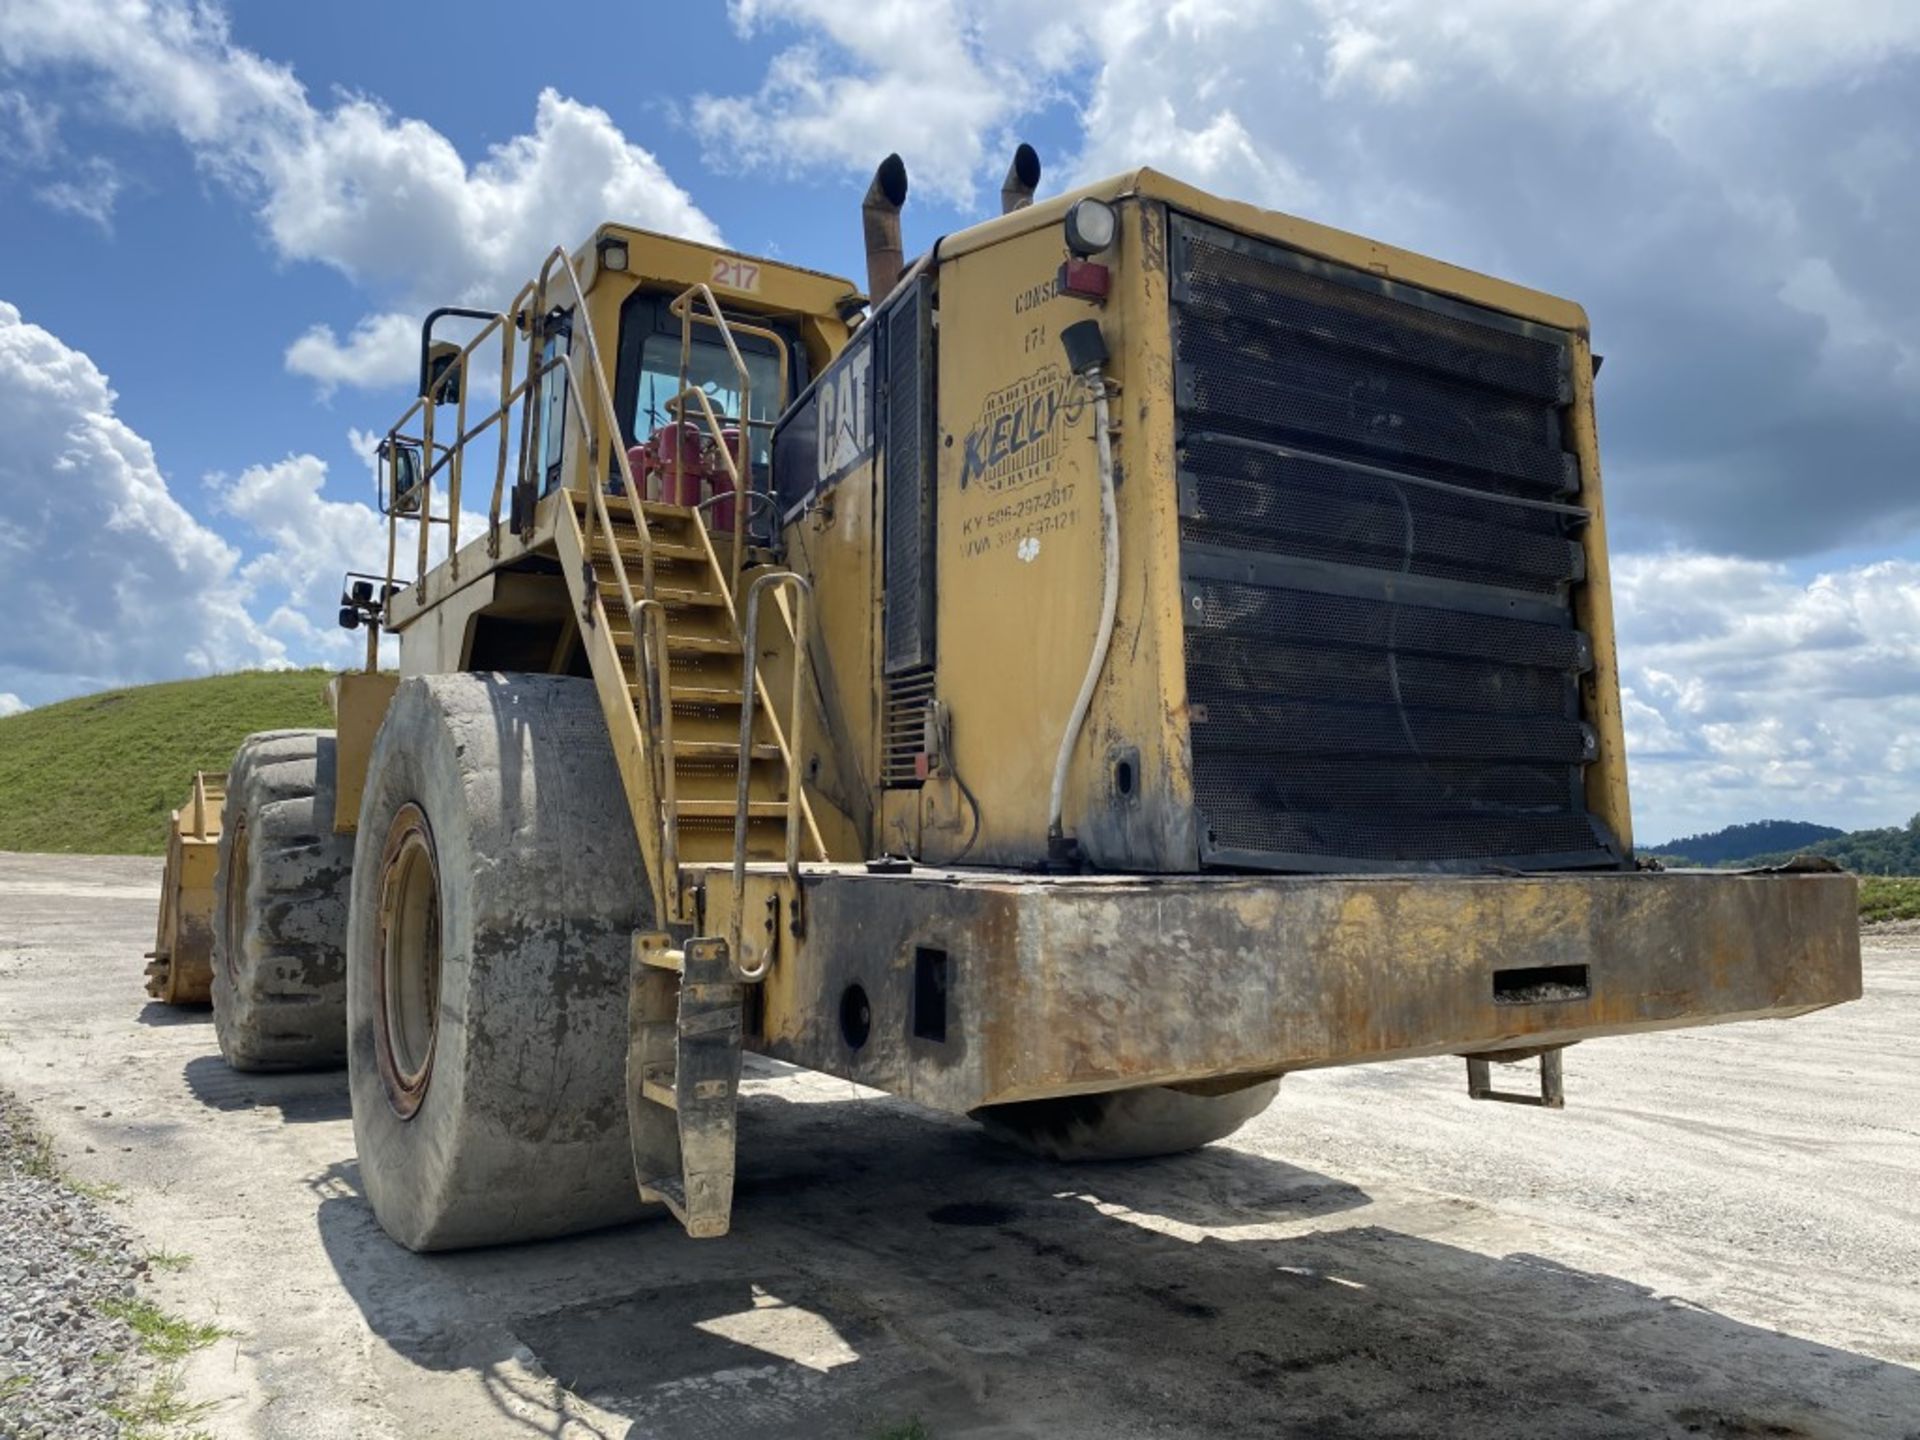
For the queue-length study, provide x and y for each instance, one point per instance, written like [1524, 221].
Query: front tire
[497, 886]
[280, 907]
[1127, 1124]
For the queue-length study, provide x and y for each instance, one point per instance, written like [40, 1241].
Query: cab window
[553, 401]
[648, 374]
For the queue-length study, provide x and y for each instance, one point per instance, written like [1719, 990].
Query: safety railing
[740, 466]
[588, 408]
[797, 814]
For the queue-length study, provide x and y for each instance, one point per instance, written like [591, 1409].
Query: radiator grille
[1379, 545]
[907, 425]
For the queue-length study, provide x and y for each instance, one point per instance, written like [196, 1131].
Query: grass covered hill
[98, 775]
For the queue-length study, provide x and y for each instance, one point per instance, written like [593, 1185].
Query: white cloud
[1751, 695]
[382, 349]
[388, 201]
[11, 704]
[29, 129]
[89, 191]
[1729, 186]
[932, 79]
[118, 580]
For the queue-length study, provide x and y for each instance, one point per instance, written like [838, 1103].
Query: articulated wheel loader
[1142, 647]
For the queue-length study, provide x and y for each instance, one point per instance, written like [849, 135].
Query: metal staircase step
[718, 750]
[672, 596]
[677, 644]
[724, 809]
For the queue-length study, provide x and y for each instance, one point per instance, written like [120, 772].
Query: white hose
[1109, 602]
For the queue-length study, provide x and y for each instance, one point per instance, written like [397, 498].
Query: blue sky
[222, 221]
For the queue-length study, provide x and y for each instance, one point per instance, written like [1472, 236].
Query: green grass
[169, 1260]
[165, 1337]
[158, 1411]
[98, 775]
[1889, 897]
[914, 1429]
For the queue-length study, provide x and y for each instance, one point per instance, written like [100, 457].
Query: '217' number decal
[735, 274]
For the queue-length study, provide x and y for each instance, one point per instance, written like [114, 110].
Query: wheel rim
[407, 985]
[238, 874]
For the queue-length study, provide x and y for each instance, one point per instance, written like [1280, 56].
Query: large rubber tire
[1126, 1124]
[280, 907]
[517, 1084]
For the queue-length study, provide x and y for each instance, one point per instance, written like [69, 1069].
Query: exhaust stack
[1023, 175]
[880, 216]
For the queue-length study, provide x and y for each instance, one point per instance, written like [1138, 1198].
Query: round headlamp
[1091, 227]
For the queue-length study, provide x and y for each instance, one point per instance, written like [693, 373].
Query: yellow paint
[359, 700]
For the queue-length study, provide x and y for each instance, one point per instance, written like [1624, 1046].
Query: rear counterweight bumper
[967, 988]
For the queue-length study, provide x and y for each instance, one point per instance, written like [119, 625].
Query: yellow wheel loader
[1144, 646]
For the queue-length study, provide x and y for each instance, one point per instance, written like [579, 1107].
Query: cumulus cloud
[1729, 186]
[122, 582]
[931, 78]
[11, 704]
[386, 200]
[381, 349]
[1751, 694]
[111, 577]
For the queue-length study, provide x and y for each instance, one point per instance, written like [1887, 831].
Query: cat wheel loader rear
[1145, 646]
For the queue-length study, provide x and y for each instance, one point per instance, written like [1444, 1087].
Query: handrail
[742, 813]
[584, 329]
[742, 473]
[657, 683]
[588, 407]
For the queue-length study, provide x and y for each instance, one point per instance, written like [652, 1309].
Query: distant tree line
[1743, 842]
[1893, 851]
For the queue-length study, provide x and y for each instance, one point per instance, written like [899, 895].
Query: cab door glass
[553, 402]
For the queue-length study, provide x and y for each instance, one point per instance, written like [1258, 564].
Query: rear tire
[1126, 1124]
[497, 885]
[280, 907]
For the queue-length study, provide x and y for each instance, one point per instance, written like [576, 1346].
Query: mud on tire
[1127, 1124]
[280, 907]
[497, 885]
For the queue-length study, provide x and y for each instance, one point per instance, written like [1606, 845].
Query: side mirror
[405, 460]
[445, 373]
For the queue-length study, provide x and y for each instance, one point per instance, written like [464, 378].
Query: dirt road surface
[1719, 1237]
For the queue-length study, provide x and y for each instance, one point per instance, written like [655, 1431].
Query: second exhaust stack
[880, 216]
[1023, 177]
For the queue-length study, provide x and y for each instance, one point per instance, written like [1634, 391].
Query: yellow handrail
[796, 804]
[741, 473]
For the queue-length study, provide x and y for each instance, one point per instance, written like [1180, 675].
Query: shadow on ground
[300, 1097]
[167, 1016]
[888, 1265]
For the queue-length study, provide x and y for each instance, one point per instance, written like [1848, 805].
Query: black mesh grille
[1379, 555]
[907, 418]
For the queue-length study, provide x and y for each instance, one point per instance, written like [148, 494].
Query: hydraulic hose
[1109, 601]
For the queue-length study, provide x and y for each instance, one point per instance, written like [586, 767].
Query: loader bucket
[180, 965]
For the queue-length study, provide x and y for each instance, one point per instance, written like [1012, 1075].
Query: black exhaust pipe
[1023, 176]
[880, 214]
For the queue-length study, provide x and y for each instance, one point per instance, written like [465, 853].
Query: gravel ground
[64, 1263]
[1718, 1239]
